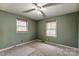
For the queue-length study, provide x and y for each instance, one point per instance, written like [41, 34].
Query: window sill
[51, 36]
[21, 31]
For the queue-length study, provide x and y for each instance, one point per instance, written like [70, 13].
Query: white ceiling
[18, 8]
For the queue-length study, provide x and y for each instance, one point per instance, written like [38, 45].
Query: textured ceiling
[54, 10]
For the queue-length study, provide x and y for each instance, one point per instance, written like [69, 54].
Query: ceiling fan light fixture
[38, 12]
[42, 9]
[38, 8]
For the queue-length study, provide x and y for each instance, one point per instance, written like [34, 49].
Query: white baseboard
[63, 46]
[23, 43]
[1, 50]
[60, 45]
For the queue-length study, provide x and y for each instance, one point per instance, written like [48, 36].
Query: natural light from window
[51, 28]
[21, 25]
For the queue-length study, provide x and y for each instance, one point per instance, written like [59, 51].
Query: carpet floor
[39, 49]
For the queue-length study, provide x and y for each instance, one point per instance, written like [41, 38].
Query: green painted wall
[8, 34]
[78, 30]
[67, 30]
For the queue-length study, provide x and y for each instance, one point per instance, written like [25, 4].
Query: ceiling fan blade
[50, 4]
[28, 10]
[44, 15]
[36, 5]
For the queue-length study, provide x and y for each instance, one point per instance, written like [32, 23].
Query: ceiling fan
[39, 8]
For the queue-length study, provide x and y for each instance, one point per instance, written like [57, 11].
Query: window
[51, 28]
[21, 25]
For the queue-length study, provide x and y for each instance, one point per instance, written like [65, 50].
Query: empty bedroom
[39, 29]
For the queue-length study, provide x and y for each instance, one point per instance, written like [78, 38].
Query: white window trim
[46, 28]
[26, 26]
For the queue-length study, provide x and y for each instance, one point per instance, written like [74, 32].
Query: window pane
[51, 29]
[48, 25]
[53, 32]
[19, 29]
[23, 28]
[53, 25]
[48, 33]
[21, 25]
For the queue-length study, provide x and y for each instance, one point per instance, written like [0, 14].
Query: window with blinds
[21, 25]
[51, 28]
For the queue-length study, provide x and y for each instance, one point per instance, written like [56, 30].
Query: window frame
[46, 28]
[18, 19]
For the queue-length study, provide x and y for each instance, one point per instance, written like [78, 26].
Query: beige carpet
[39, 49]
